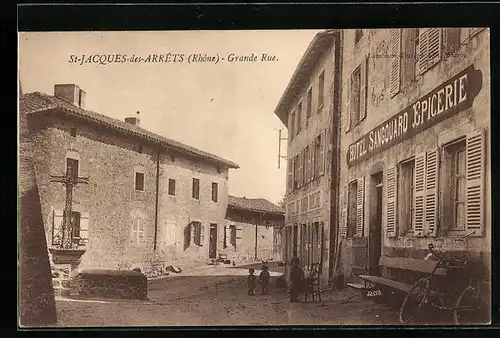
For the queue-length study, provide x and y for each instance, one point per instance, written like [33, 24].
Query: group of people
[296, 280]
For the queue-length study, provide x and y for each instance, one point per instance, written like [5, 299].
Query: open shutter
[395, 61]
[57, 222]
[475, 182]
[314, 160]
[309, 162]
[419, 184]
[435, 46]
[392, 185]
[322, 147]
[347, 111]
[360, 202]
[84, 227]
[343, 212]
[290, 175]
[302, 165]
[202, 234]
[422, 58]
[363, 90]
[431, 192]
[408, 37]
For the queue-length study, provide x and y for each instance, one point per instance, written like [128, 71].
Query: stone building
[415, 164]
[309, 108]
[148, 197]
[253, 230]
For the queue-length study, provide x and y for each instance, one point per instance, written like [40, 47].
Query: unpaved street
[218, 296]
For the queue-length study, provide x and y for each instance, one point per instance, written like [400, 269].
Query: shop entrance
[375, 235]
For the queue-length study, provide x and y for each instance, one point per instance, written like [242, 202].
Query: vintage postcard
[258, 177]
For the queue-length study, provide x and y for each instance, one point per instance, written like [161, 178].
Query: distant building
[148, 197]
[253, 229]
[309, 107]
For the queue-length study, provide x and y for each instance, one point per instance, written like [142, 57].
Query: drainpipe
[157, 197]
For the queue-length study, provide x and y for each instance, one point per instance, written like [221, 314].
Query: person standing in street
[264, 279]
[251, 282]
[296, 276]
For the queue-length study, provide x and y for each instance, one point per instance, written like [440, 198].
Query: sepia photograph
[254, 178]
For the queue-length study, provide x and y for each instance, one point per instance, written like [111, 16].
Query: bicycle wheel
[469, 308]
[414, 300]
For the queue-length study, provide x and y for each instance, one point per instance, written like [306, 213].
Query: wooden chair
[313, 285]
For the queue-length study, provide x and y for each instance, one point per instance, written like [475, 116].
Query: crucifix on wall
[69, 180]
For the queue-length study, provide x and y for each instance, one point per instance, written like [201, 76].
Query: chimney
[71, 93]
[134, 119]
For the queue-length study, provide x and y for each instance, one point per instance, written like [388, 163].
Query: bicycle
[463, 300]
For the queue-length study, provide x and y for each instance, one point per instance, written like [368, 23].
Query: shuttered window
[418, 213]
[295, 172]
[360, 202]
[290, 175]
[391, 178]
[138, 236]
[475, 172]
[352, 209]
[431, 192]
[314, 160]
[355, 96]
[395, 83]
[292, 126]
[343, 211]
[363, 90]
[299, 117]
[347, 112]
[321, 90]
[307, 158]
[429, 48]
[321, 159]
[309, 103]
[409, 55]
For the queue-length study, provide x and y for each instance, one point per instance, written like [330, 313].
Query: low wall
[113, 284]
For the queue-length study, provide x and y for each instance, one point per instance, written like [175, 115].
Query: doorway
[375, 234]
[212, 246]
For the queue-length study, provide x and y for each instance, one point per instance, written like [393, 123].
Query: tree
[36, 294]
[282, 202]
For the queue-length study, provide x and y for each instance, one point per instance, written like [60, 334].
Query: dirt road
[215, 297]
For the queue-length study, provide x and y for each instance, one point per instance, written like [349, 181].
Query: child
[264, 279]
[251, 282]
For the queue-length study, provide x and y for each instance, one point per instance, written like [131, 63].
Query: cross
[69, 180]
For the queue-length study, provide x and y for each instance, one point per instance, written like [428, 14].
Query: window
[407, 195]
[309, 103]
[455, 157]
[75, 224]
[355, 96]
[215, 191]
[290, 175]
[358, 35]
[351, 209]
[139, 181]
[452, 40]
[321, 90]
[171, 187]
[198, 235]
[299, 117]
[138, 232]
[196, 188]
[428, 48]
[72, 168]
[292, 125]
[73, 132]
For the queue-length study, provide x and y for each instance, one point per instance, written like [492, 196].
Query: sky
[225, 108]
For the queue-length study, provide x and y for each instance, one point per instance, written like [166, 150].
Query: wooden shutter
[391, 179]
[363, 90]
[290, 175]
[202, 235]
[431, 192]
[360, 202]
[302, 166]
[422, 50]
[347, 110]
[395, 61]
[435, 46]
[84, 227]
[475, 172]
[322, 147]
[343, 211]
[309, 162]
[418, 202]
[312, 151]
[408, 37]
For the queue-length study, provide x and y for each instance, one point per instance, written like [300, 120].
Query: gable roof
[316, 48]
[39, 102]
[254, 204]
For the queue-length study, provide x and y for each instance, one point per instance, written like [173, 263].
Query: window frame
[355, 74]
[402, 192]
[215, 191]
[138, 232]
[309, 103]
[299, 118]
[321, 90]
[197, 190]
[352, 191]
[136, 181]
[171, 186]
